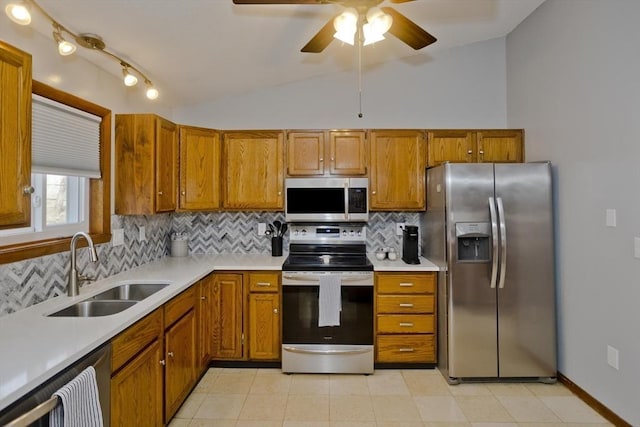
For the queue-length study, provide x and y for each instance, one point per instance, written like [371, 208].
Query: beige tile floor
[390, 398]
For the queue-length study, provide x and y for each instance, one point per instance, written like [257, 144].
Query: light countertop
[37, 347]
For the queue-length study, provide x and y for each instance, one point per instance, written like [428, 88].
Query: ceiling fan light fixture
[371, 35]
[18, 13]
[129, 78]
[346, 25]
[380, 22]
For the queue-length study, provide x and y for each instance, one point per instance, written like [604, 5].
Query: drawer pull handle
[406, 305]
[406, 285]
[406, 350]
[263, 284]
[406, 324]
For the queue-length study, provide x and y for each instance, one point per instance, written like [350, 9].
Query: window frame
[99, 189]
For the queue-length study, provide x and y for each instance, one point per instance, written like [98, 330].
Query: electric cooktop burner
[327, 248]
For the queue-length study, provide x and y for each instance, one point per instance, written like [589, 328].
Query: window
[65, 201]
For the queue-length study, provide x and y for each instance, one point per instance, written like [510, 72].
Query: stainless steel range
[327, 301]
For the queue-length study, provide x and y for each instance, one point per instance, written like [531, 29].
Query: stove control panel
[327, 233]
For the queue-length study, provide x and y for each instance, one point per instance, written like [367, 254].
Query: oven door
[300, 309]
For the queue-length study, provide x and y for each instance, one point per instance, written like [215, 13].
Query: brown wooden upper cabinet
[397, 175]
[470, 146]
[146, 164]
[336, 152]
[200, 151]
[15, 137]
[253, 170]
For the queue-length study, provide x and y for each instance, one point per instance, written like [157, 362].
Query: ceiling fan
[401, 26]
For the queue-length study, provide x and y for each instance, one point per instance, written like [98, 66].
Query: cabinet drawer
[135, 338]
[402, 283]
[405, 348]
[405, 323]
[179, 306]
[264, 282]
[405, 303]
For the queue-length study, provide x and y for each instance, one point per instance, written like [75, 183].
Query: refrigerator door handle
[494, 242]
[503, 243]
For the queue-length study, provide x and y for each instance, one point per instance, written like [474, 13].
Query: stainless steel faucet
[74, 287]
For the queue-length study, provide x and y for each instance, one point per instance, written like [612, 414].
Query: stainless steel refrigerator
[492, 226]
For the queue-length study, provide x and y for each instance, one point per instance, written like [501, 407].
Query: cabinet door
[227, 316]
[205, 322]
[264, 326]
[166, 165]
[199, 168]
[397, 170]
[500, 146]
[181, 357]
[348, 151]
[456, 146]
[15, 137]
[305, 153]
[253, 175]
[136, 391]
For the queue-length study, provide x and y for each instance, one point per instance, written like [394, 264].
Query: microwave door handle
[346, 199]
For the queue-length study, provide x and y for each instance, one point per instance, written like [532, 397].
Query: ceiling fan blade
[401, 1]
[278, 2]
[322, 39]
[408, 31]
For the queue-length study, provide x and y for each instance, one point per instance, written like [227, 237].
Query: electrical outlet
[399, 228]
[262, 228]
[142, 235]
[612, 357]
[117, 237]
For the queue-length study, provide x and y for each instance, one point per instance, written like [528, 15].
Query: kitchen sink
[94, 308]
[130, 291]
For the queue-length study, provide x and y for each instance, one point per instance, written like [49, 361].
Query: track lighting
[129, 79]
[65, 48]
[19, 13]
[152, 92]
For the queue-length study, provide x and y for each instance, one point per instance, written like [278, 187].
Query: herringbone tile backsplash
[29, 282]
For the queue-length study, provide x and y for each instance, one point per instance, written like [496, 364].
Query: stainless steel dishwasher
[33, 409]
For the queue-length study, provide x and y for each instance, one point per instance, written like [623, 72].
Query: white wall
[459, 88]
[573, 82]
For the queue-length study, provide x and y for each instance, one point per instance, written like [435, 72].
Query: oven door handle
[316, 280]
[330, 352]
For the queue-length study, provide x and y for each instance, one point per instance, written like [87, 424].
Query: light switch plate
[611, 218]
[612, 357]
[117, 237]
[262, 228]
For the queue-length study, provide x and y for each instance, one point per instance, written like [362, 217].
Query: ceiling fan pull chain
[360, 72]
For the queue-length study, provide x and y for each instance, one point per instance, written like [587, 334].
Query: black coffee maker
[410, 244]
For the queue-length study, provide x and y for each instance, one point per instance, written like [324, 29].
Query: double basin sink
[111, 301]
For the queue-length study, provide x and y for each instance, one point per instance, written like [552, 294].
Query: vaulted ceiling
[200, 50]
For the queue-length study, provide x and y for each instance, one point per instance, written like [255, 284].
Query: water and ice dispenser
[474, 241]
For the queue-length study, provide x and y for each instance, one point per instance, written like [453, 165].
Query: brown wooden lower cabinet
[264, 326]
[155, 364]
[405, 317]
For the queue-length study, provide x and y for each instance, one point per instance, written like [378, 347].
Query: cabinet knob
[333, 159]
[373, 192]
[170, 353]
[470, 152]
[203, 297]
[184, 193]
[162, 362]
[279, 193]
[275, 310]
[28, 189]
[481, 152]
[321, 159]
[159, 193]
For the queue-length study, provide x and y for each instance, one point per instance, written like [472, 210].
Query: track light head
[19, 13]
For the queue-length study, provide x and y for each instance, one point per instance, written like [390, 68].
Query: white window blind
[64, 140]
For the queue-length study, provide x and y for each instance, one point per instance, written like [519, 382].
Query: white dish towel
[329, 300]
[79, 406]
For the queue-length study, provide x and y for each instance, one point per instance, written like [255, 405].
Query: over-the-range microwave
[326, 199]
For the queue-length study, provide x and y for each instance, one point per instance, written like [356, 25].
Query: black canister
[276, 246]
[410, 244]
